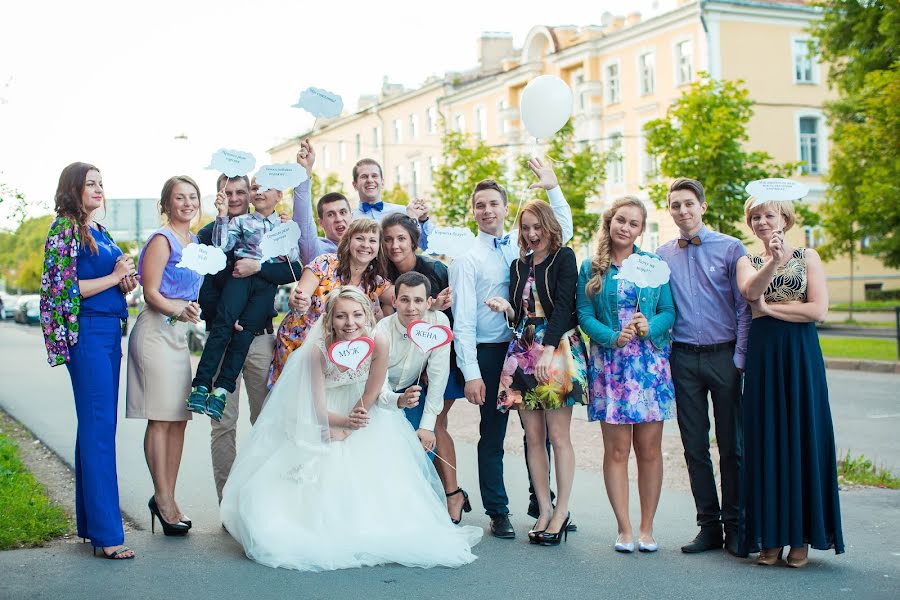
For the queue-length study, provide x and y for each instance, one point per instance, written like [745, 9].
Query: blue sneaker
[196, 402]
[216, 404]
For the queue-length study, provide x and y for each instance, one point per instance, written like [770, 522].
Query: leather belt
[704, 348]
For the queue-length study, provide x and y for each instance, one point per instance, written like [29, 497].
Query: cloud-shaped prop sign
[280, 177]
[281, 241]
[643, 271]
[775, 189]
[320, 103]
[450, 241]
[233, 163]
[202, 259]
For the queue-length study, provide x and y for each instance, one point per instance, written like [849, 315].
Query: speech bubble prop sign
[233, 163]
[450, 241]
[320, 103]
[644, 271]
[428, 337]
[283, 240]
[203, 259]
[280, 177]
[350, 354]
[775, 189]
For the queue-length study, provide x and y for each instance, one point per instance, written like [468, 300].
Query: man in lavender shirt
[333, 208]
[709, 341]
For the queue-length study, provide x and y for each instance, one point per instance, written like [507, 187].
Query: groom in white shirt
[481, 335]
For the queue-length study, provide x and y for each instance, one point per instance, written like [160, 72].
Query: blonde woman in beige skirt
[159, 367]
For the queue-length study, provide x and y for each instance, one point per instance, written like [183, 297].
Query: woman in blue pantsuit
[83, 287]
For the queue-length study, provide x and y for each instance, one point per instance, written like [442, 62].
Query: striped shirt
[244, 233]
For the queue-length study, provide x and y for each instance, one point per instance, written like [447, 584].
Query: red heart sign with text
[351, 353]
[427, 337]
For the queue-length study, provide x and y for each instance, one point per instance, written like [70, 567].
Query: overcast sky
[114, 83]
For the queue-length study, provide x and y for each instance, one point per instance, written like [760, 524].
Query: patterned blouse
[789, 282]
[60, 295]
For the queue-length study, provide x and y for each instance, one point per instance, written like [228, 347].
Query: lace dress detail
[336, 377]
[789, 282]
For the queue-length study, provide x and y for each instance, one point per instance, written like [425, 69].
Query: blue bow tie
[367, 208]
[504, 241]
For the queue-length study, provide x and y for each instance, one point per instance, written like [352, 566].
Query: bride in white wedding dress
[330, 480]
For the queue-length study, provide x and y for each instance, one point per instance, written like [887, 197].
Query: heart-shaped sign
[427, 337]
[351, 353]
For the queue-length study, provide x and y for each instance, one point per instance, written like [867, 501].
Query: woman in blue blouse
[631, 391]
[83, 287]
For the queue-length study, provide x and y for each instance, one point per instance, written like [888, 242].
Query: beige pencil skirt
[159, 368]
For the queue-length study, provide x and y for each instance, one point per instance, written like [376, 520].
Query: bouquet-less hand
[475, 391]
[221, 204]
[358, 417]
[245, 267]
[410, 397]
[759, 308]
[190, 313]
[306, 156]
[299, 301]
[502, 305]
[639, 324]
[546, 175]
[625, 336]
[426, 438]
[124, 267]
[542, 368]
[444, 299]
[776, 246]
[418, 210]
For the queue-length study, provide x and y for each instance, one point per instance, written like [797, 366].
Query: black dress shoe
[731, 543]
[501, 527]
[709, 538]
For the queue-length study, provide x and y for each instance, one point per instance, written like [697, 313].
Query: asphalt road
[209, 564]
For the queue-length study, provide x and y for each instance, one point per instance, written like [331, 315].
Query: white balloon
[545, 106]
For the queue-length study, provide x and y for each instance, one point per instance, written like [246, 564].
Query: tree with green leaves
[22, 254]
[702, 137]
[581, 171]
[318, 188]
[395, 195]
[860, 40]
[466, 162]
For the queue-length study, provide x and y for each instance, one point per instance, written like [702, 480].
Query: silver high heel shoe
[647, 546]
[626, 547]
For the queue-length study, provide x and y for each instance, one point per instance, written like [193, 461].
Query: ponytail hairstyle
[603, 256]
[68, 201]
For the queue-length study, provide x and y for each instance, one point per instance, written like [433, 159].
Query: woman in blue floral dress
[545, 371]
[83, 286]
[631, 391]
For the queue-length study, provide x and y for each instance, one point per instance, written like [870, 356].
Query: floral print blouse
[60, 295]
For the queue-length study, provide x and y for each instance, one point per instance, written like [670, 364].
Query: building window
[480, 123]
[804, 65]
[809, 145]
[580, 97]
[358, 145]
[398, 173]
[342, 152]
[432, 168]
[648, 167]
[431, 120]
[615, 169]
[459, 123]
[611, 74]
[502, 123]
[651, 238]
[414, 179]
[376, 138]
[326, 157]
[647, 73]
[684, 60]
[398, 131]
[413, 126]
[815, 236]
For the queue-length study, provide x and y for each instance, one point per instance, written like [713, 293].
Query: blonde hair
[785, 208]
[347, 292]
[548, 222]
[603, 256]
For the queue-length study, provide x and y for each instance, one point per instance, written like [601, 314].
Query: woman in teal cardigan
[630, 384]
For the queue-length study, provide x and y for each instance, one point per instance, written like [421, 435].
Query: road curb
[870, 366]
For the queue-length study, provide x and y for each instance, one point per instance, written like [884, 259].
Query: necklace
[184, 239]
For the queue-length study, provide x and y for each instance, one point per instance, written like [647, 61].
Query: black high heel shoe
[177, 528]
[553, 539]
[534, 536]
[466, 507]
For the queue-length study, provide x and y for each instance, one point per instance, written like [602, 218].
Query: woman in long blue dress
[790, 488]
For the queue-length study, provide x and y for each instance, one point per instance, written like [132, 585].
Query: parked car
[7, 306]
[196, 336]
[28, 310]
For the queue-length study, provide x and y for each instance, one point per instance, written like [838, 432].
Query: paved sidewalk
[209, 564]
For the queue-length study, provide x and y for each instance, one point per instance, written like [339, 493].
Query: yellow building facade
[623, 73]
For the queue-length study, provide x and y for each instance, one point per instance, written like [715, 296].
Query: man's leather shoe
[731, 543]
[501, 527]
[709, 538]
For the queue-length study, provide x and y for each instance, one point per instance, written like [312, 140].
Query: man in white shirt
[481, 335]
[412, 302]
[368, 181]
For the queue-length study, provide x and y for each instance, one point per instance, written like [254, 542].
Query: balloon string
[442, 458]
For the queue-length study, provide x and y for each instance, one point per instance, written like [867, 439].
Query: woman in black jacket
[545, 371]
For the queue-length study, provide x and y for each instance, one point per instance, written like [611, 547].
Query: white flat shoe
[647, 546]
[626, 547]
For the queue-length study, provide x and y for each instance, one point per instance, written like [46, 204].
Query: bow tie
[504, 241]
[367, 207]
[683, 243]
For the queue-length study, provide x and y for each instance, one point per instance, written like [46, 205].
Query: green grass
[27, 516]
[861, 471]
[861, 348]
[855, 323]
[868, 305]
